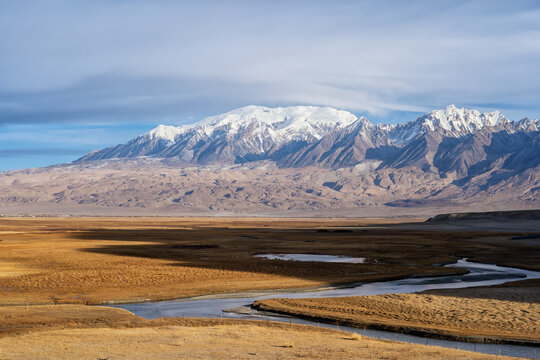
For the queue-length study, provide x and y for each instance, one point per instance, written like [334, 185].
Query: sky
[76, 76]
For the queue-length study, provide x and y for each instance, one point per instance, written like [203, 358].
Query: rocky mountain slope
[455, 143]
[297, 160]
[148, 186]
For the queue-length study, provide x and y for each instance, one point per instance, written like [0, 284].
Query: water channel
[238, 305]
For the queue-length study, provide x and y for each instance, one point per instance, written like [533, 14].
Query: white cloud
[75, 61]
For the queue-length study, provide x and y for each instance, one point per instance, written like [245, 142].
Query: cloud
[120, 98]
[170, 61]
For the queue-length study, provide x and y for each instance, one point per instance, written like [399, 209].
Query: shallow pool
[313, 257]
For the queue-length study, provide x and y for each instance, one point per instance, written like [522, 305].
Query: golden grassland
[85, 332]
[25, 224]
[480, 314]
[75, 261]
[91, 260]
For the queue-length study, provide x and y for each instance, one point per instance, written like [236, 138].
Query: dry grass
[476, 314]
[39, 317]
[89, 260]
[48, 332]
[245, 341]
[13, 269]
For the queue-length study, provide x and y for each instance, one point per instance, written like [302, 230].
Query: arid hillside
[162, 187]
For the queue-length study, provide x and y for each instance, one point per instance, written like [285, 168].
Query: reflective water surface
[313, 257]
[479, 275]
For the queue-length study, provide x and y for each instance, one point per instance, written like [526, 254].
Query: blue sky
[81, 75]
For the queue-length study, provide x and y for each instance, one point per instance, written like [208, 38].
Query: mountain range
[455, 143]
[258, 159]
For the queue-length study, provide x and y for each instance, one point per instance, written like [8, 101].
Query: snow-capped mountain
[452, 121]
[271, 125]
[454, 141]
[245, 133]
[280, 125]
[164, 132]
[303, 158]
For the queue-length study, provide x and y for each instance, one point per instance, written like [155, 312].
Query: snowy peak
[276, 125]
[293, 123]
[461, 120]
[299, 136]
[525, 124]
[451, 121]
[165, 132]
[282, 117]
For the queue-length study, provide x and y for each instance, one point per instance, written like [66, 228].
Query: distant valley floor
[152, 187]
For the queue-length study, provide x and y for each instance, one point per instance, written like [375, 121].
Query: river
[238, 305]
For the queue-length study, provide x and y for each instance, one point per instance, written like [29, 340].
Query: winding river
[238, 305]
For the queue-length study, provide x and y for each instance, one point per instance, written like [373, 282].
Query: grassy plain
[75, 261]
[496, 314]
[92, 260]
[84, 332]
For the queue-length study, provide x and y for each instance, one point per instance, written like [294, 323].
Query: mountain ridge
[300, 136]
[291, 161]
